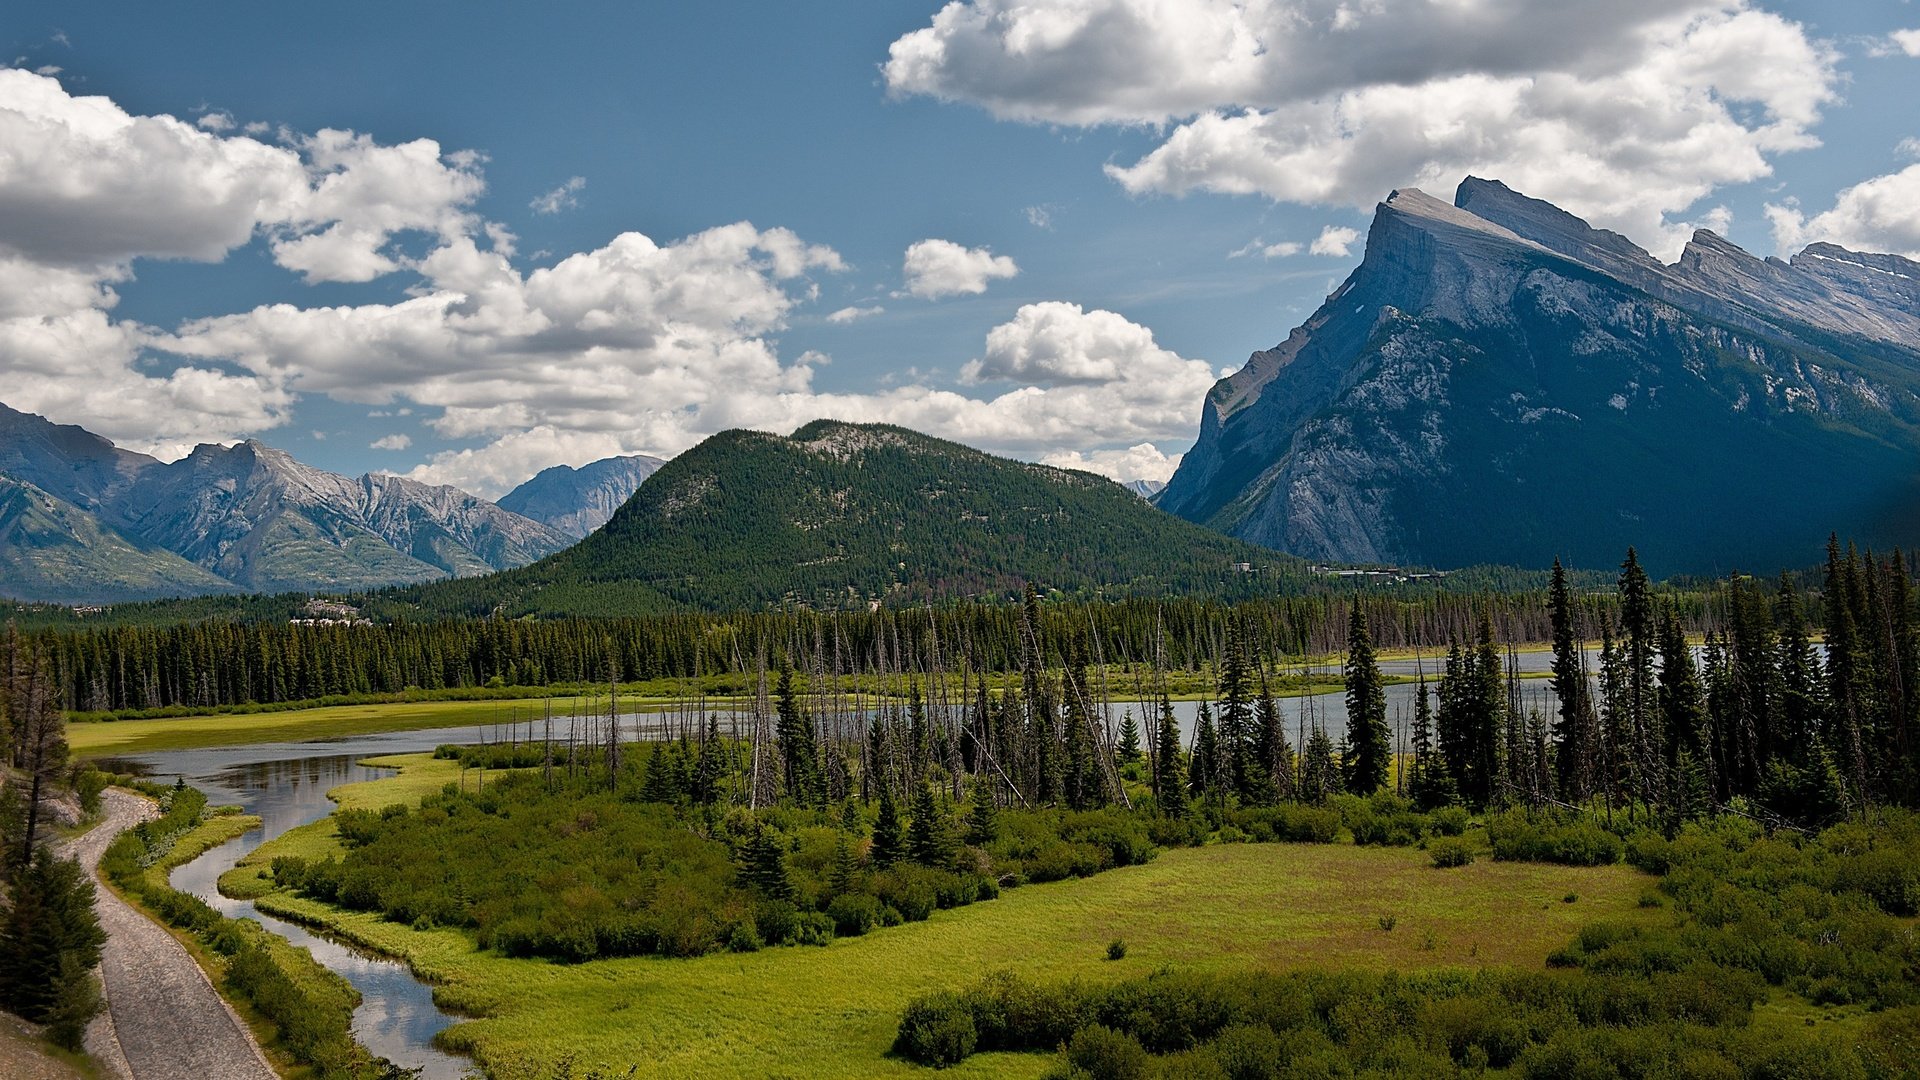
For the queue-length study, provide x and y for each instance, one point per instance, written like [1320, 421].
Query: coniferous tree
[763, 864]
[844, 870]
[1637, 624]
[1129, 739]
[39, 736]
[1575, 735]
[1682, 710]
[1319, 773]
[1369, 743]
[1169, 785]
[1236, 767]
[1271, 747]
[983, 814]
[799, 756]
[1429, 786]
[928, 841]
[889, 836]
[1203, 771]
[50, 941]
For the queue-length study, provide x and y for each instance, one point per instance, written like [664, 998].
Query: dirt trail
[168, 1021]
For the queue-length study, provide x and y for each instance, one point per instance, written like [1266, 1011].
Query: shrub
[1449, 820]
[1116, 949]
[1106, 1054]
[937, 1030]
[1450, 851]
[853, 914]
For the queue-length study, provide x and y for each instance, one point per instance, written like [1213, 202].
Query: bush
[1449, 820]
[853, 914]
[1517, 836]
[1106, 1054]
[937, 1030]
[1450, 851]
[1116, 949]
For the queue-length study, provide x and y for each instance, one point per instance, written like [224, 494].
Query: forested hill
[839, 515]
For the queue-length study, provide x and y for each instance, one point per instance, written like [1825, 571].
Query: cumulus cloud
[1907, 41]
[216, 121]
[1626, 113]
[854, 314]
[1335, 240]
[937, 268]
[86, 189]
[1143, 461]
[397, 441]
[637, 345]
[1881, 214]
[564, 197]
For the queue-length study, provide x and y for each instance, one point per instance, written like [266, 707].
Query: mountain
[843, 515]
[1499, 382]
[52, 550]
[578, 501]
[247, 516]
[1146, 489]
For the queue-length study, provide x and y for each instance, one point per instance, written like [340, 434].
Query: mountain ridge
[1489, 357]
[248, 515]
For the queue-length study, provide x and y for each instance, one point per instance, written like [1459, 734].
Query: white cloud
[937, 268]
[86, 189]
[1336, 240]
[1907, 41]
[215, 121]
[397, 441]
[634, 346]
[1626, 113]
[1881, 215]
[1281, 250]
[564, 197]
[1143, 461]
[853, 314]
[1039, 217]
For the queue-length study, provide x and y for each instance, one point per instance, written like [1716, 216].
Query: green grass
[808, 1011]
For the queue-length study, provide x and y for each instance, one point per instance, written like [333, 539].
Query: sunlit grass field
[832, 1011]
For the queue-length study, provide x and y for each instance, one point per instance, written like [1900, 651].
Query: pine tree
[1236, 766]
[1129, 739]
[1270, 746]
[49, 939]
[844, 870]
[1169, 786]
[799, 756]
[1319, 774]
[1203, 773]
[928, 841]
[763, 864]
[889, 837]
[1641, 644]
[1369, 742]
[1575, 734]
[1429, 786]
[983, 814]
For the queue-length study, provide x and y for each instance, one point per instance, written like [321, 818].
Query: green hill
[843, 515]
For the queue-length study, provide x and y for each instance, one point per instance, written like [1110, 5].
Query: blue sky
[370, 289]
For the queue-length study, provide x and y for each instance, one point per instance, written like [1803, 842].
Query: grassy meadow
[833, 1010]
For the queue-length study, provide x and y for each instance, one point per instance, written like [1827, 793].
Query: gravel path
[168, 1020]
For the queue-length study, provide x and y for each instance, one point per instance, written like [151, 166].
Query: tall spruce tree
[1369, 742]
[1575, 734]
[929, 842]
[1169, 785]
[1237, 765]
[889, 836]
[1203, 771]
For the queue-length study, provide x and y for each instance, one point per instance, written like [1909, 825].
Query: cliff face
[578, 501]
[1498, 382]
